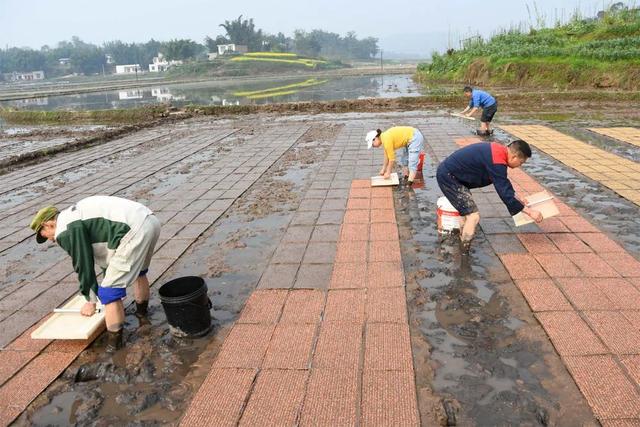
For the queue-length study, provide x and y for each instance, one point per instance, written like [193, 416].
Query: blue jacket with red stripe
[482, 164]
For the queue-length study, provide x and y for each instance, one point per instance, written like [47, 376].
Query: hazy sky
[409, 26]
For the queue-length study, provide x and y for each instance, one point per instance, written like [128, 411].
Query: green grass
[582, 53]
[253, 63]
[129, 116]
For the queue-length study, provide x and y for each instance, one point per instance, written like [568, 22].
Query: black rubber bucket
[187, 306]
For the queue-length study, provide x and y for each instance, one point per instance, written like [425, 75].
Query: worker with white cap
[407, 140]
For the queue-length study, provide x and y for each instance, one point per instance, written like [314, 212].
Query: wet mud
[480, 356]
[153, 379]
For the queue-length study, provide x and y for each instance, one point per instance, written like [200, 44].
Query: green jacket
[90, 232]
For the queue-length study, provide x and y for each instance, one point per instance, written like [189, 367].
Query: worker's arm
[465, 110]
[472, 112]
[75, 241]
[387, 172]
[384, 164]
[522, 200]
[504, 188]
[533, 213]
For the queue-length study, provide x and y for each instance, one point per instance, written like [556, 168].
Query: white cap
[371, 135]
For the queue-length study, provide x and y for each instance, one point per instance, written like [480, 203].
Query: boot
[114, 341]
[142, 309]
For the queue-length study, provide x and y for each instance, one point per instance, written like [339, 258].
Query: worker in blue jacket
[479, 165]
[480, 99]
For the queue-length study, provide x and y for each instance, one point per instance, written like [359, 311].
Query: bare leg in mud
[468, 226]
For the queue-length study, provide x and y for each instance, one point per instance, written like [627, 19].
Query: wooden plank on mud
[70, 326]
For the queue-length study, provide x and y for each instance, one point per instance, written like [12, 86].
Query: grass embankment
[535, 101]
[254, 63]
[107, 117]
[585, 53]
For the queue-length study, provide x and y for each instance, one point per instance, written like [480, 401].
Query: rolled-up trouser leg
[414, 148]
[129, 261]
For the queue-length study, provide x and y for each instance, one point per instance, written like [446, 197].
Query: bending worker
[405, 138]
[479, 165]
[480, 99]
[116, 234]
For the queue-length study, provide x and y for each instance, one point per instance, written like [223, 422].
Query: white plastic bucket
[448, 216]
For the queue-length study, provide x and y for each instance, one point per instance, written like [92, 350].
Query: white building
[22, 77]
[30, 102]
[163, 94]
[232, 48]
[161, 64]
[128, 69]
[212, 56]
[130, 94]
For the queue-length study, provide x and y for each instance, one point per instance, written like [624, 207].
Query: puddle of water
[60, 411]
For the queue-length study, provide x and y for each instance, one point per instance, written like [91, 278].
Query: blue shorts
[108, 295]
[457, 193]
[410, 155]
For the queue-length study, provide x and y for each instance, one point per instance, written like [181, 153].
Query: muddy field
[480, 356]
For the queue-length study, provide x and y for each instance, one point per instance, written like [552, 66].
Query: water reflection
[214, 93]
[130, 94]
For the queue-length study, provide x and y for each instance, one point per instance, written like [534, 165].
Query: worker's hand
[535, 215]
[382, 171]
[88, 309]
[387, 175]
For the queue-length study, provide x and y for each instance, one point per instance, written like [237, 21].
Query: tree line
[77, 56]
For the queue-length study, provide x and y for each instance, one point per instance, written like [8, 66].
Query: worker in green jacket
[116, 234]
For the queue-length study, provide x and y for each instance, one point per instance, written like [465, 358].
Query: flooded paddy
[243, 93]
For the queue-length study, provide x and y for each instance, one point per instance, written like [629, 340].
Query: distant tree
[87, 59]
[122, 53]
[243, 32]
[22, 60]
[212, 44]
[181, 49]
[332, 45]
[306, 44]
[148, 50]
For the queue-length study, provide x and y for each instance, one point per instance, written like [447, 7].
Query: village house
[22, 77]
[224, 49]
[161, 64]
[128, 69]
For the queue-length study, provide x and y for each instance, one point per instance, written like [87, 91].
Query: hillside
[255, 63]
[603, 52]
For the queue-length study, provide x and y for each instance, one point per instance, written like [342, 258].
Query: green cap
[43, 215]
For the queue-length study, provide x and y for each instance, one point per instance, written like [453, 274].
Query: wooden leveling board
[542, 202]
[70, 326]
[379, 181]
